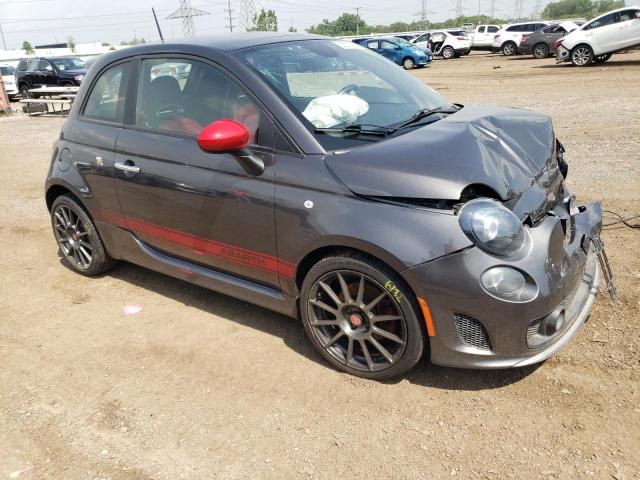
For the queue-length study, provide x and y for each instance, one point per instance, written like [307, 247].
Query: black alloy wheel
[80, 245]
[361, 317]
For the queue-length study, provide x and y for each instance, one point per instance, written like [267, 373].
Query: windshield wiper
[426, 112]
[359, 129]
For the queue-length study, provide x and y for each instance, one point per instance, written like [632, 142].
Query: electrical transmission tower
[459, 9]
[247, 13]
[186, 13]
[537, 10]
[518, 10]
[493, 9]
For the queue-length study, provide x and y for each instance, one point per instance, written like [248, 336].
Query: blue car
[399, 51]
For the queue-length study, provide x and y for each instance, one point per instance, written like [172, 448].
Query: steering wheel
[351, 89]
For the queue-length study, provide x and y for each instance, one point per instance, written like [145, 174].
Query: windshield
[7, 71]
[68, 63]
[333, 84]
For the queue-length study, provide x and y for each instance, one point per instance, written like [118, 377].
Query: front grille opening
[472, 332]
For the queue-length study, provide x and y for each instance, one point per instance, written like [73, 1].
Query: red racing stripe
[199, 245]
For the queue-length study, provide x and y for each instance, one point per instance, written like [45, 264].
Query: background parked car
[506, 40]
[482, 37]
[541, 43]
[398, 51]
[445, 43]
[9, 79]
[598, 39]
[50, 71]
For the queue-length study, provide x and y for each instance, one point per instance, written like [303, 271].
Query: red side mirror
[223, 136]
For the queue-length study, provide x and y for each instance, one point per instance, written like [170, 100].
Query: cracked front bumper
[476, 330]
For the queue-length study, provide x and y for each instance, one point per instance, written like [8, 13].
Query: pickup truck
[482, 37]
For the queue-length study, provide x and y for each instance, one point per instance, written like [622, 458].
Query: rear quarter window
[107, 97]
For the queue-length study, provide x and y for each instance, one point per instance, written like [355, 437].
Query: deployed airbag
[332, 110]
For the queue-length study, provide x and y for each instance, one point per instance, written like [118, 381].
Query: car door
[602, 33]
[185, 203]
[90, 140]
[46, 74]
[390, 50]
[629, 28]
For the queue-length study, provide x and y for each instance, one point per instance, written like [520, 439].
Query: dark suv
[50, 71]
[308, 176]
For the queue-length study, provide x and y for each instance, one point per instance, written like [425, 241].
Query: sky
[53, 21]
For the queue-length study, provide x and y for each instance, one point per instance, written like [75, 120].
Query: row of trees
[579, 8]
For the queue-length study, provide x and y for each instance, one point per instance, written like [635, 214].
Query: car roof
[231, 42]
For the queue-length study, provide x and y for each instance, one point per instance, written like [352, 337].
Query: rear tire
[408, 63]
[509, 49]
[80, 244]
[448, 52]
[541, 50]
[362, 317]
[24, 92]
[582, 55]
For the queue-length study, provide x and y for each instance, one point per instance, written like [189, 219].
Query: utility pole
[423, 14]
[493, 9]
[230, 12]
[357, 9]
[479, 1]
[537, 10]
[518, 10]
[459, 8]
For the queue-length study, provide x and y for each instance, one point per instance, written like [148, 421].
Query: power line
[186, 12]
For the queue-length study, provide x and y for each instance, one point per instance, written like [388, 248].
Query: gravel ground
[201, 386]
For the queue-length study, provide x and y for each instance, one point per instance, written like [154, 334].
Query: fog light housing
[507, 283]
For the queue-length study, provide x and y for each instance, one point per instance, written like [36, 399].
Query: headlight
[493, 227]
[78, 78]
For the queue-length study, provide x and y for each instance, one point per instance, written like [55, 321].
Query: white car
[507, 39]
[482, 37]
[445, 43]
[598, 39]
[9, 80]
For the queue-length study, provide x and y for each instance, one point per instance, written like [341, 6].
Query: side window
[106, 100]
[424, 37]
[606, 20]
[372, 45]
[514, 28]
[44, 66]
[32, 66]
[492, 29]
[387, 45]
[627, 15]
[184, 96]
[22, 66]
[481, 29]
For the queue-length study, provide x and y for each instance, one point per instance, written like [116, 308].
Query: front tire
[582, 55]
[408, 63]
[24, 92]
[509, 49]
[362, 317]
[80, 245]
[540, 51]
[602, 58]
[448, 52]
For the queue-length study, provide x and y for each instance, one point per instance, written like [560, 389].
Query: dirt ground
[201, 386]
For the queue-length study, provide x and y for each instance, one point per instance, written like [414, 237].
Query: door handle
[127, 168]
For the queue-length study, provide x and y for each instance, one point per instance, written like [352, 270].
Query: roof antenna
[157, 24]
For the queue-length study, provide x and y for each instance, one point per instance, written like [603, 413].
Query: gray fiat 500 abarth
[316, 178]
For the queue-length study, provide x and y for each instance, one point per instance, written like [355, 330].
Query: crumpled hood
[502, 148]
